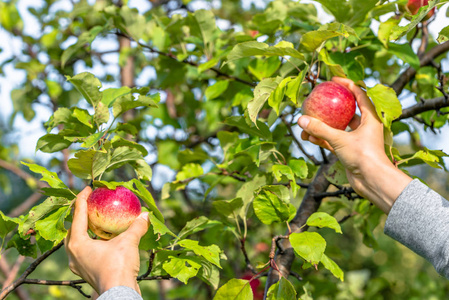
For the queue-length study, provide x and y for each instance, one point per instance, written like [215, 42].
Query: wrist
[383, 183]
[110, 282]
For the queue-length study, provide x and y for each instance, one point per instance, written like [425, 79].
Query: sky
[29, 132]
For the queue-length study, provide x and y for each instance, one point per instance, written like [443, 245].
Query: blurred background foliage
[50, 39]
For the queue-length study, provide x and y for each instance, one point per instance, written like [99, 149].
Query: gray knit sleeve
[419, 219]
[120, 293]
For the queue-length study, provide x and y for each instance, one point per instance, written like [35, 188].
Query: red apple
[331, 103]
[414, 5]
[110, 212]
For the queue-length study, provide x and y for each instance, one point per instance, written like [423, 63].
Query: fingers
[363, 102]
[355, 122]
[319, 129]
[80, 223]
[319, 142]
[138, 228]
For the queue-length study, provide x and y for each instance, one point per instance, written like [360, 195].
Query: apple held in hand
[111, 212]
[331, 103]
[413, 7]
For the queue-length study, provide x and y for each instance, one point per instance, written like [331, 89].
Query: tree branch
[309, 205]
[408, 74]
[185, 61]
[431, 104]
[6, 291]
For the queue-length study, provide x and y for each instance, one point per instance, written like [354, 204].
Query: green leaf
[431, 157]
[7, 225]
[386, 102]
[246, 192]
[294, 86]
[321, 219]
[264, 68]
[277, 95]
[209, 273]
[52, 227]
[63, 192]
[400, 31]
[313, 39]
[92, 139]
[150, 240]
[308, 245]
[122, 155]
[405, 53]
[261, 130]
[215, 90]
[88, 85]
[332, 266]
[228, 207]
[50, 177]
[181, 268]
[385, 30]
[344, 64]
[299, 167]
[282, 290]
[443, 36]
[253, 48]
[24, 246]
[196, 225]
[261, 93]
[143, 169]
[40, 211]
[272, 204]
[117, 142]
[158, 226]
[85, 38]
[211, 253]
[111, 94]
[206, 23]
[127, 102]
[88, 164]
[235, 289]
[143, 193]
[336, 174]
[282, 170]
[188, 171]
[51, 143]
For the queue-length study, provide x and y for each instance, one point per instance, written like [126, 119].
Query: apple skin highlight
[111, 212]
[331, 103]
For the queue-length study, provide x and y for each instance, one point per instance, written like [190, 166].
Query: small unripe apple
[413, 7]
[110, 212]
[331, 103]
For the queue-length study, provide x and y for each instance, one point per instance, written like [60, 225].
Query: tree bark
[284, 259]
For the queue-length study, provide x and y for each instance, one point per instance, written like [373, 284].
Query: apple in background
[414, 5]
[331, 103]
[110, 212]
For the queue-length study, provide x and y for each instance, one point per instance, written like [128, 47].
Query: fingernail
[144, 216]
[303, 122]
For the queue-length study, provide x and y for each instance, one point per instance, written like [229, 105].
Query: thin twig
[5, 292]
[249, 266]
[296, 141]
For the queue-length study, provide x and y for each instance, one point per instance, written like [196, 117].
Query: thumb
[316, 128]
[138, 228]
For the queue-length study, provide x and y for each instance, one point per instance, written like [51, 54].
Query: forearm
[380, 182]
[419, 219]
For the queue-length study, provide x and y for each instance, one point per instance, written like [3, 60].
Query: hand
[361, 151]
[104, 264]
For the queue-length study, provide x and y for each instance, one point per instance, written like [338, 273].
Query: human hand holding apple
[361, 151]
[110, 212]
[104, 264]
[331, 103]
